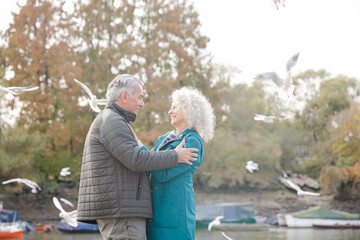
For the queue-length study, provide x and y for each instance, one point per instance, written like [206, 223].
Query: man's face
[135, 102]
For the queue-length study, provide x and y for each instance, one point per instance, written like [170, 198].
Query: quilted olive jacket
[113, 181]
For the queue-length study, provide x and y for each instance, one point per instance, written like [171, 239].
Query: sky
[255, 37]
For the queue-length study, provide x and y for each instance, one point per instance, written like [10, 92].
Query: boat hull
[7, 235]
[81, 228]
[294, 222]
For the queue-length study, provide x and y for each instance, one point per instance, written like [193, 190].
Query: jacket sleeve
[165, 175]
[118, 140]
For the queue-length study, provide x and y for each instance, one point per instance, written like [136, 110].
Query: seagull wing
[7, 90]
[19, 180]
[248, 167]
[211, 224]
[216, 221]
[259, 117]
[67, 202]
[58, 205]
[270, 76]
[225, 236]
[65, 169]
[87, 90]
[291, 62]
[102, 101]
[31, 184]
[93, 104]
[294, 186]
[23, 89]
[70, 218]
[309, 193]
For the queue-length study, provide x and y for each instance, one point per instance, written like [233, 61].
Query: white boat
[281, 219]
[319, 217]
[319, 222]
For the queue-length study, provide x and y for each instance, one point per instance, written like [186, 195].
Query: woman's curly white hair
[197, 111]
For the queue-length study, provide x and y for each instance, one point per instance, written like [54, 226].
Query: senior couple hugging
[132, 192]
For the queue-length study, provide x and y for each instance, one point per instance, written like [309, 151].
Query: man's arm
[118, 140]
[164, 175]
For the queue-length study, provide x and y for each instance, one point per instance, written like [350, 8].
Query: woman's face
[177, 116]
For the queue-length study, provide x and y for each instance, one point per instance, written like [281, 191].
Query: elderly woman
[173, 195]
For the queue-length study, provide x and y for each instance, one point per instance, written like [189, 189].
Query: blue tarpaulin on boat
[9, 216]
[232, 212]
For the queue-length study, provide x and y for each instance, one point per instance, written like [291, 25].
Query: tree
[159, 41]
[19, 151]
[40, 52]
[238, 139]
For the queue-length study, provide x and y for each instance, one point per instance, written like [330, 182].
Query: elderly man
[114, 188]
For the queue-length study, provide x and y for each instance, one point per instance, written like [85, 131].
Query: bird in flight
[65, 171]
[251, 166]
[93, 101]
[67, 202]
[216, 221]
[284, 83]
[69, 217]
[33, 185]
[279, 2]
[268, 119]
[17, 90]
[299, 190]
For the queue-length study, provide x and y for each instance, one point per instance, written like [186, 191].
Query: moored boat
[81, 228]
[11, 235]
[318, 216]
[10, 225]
[233, 213]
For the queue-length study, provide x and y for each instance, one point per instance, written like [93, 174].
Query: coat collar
[129, 116]
[178, 137]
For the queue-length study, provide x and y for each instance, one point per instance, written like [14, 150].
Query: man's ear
[124, 96]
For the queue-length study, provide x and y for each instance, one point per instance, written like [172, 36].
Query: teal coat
[173, 197]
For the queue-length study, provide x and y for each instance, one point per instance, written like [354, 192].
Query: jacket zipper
[138, 194]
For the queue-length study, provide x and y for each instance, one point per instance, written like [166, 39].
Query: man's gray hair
[120, 83]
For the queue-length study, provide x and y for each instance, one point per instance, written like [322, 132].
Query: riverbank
[39, 208]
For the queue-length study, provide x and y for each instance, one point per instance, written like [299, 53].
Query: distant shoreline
[38, 208]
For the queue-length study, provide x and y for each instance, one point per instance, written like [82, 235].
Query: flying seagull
[93, 101]
[216, 221]
[268, 119]
[67, 202]
[33, 185]
[17, 90]
[278, 2]
[283, 83]
[299, 191]
[251, 166]
[65, 171]
[69, 217]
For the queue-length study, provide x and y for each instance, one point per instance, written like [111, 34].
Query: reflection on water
[273, 233]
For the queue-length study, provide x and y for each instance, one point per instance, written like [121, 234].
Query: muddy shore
[39, 208]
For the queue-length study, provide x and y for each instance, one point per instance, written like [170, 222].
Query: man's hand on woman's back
[185, 155]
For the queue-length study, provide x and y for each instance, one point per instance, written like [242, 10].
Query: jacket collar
[129, 116]
[178, 137]
[185, 132]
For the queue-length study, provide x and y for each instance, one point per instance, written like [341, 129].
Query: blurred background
[215, 47]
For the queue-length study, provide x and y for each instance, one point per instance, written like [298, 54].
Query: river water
[273, 233]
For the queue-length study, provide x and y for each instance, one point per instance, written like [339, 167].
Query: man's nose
[142, 103]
